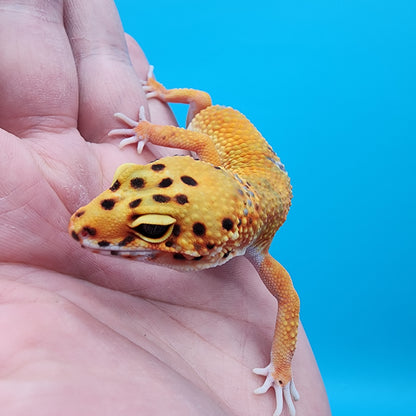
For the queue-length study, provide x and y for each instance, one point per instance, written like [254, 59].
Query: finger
[107, 81]
[38, 85]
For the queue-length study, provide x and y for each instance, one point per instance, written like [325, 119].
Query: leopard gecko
[191, 214]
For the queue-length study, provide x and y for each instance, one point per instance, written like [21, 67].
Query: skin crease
[86, 334]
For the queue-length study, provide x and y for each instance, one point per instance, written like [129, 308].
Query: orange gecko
[190, 214]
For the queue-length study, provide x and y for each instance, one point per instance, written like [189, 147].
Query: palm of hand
[118, 335]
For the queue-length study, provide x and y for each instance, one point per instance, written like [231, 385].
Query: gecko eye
[152, 231]
[153, 228]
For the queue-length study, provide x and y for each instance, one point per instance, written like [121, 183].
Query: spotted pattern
[157, 167]
[89, 231]
[227, 224]
[213, 210]
[165, 183]
[199, 229]
[127, 240]
[161, 198]
[108, 204]
[137, 183]
[135, 203]
[115, 186]
[181, 199]
[189, 181]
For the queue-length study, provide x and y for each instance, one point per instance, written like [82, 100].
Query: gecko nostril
[86, 231]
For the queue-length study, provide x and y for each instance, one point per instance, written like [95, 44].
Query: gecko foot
[130, 133]
[152, 88]
[283, 394]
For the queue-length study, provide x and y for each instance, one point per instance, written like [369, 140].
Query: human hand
[88, 334]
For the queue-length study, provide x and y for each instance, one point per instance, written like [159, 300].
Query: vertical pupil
[152, 230]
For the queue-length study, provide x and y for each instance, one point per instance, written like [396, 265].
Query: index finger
[38, 80]
[107, 81]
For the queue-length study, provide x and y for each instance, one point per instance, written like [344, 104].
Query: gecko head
[174, 212]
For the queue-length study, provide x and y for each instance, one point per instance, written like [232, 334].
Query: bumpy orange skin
[201, 213]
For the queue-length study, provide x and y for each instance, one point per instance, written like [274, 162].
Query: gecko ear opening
[153, 228]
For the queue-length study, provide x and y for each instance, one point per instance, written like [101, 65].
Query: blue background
[331, 85]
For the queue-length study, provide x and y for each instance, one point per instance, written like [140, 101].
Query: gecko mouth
[114, 250]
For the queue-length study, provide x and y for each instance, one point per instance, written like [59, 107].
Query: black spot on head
[181, 199]
[217, 167]
[176, 230]
[80, 213]
[199, 229]
[89, 231]
[189, 181]
[158, 167]
[127, 240]
[115, 186]
[179, 256]
[210, 246]
[103, 243]
[227, 224]
[197, 258]
[225, 255]
[161, 198]
[137, 183]
[114, 253]
[164, 183]
[169, 243]
[135, 203]
[75, 236]
[108, 204]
